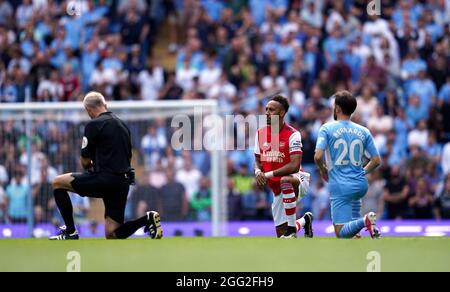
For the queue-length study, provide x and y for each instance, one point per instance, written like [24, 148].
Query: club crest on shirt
[265, 146]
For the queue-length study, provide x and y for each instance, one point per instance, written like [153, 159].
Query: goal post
[71, 117]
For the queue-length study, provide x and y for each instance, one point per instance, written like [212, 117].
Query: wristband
[269, 175]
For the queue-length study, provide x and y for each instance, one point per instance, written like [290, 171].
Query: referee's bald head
[94, 100]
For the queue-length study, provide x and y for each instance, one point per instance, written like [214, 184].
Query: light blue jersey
[345, 144]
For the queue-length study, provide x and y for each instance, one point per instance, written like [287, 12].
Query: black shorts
[112, 188]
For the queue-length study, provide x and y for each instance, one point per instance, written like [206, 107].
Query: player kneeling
[278, 152]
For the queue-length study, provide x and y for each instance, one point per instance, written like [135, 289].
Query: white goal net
[176, 175]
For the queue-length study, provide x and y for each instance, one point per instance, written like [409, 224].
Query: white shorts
[278, 212]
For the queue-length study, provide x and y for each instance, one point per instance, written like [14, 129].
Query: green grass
[256, 254]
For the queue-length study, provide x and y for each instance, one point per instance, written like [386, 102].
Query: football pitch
[245, 254]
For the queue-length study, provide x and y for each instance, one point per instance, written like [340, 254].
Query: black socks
[64, 204]
[129, 228]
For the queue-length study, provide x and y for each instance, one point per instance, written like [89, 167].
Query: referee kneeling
[106, 157]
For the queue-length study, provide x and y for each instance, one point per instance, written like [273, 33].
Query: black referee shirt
[107, 142]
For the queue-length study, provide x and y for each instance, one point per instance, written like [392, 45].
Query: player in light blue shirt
[344, 145]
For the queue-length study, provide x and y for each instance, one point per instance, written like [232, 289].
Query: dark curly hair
[281, 100]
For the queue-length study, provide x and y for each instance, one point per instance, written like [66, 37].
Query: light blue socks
[352, 228]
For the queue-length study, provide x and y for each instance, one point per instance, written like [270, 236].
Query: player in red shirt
[278, 151]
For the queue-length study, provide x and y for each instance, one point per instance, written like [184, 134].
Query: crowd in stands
[396, 62]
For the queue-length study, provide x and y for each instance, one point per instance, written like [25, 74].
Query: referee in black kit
[106, 157]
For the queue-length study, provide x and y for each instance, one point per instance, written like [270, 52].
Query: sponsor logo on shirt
[273, 156]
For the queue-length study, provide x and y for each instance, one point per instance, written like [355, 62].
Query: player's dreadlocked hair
[281, 100]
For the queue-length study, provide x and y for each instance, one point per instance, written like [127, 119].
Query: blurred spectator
[395, 195]
[124, 6]
[233, 201]
[321, 201]
[373, 72]
[185, 74]
[274, 81]
[174, 202]
[173, 16]
[255, 204]
[172, 159]
[309, 149]
[312, 14]
[261, 9]
[201, 201]
[336, 18]
[210, 74]
[242, 180]
[442, 202]
[136, 63]
[223, 91]
[417, 159]
[151, 81]
[425, 89]
[292, 26]
[444, 93]
[6, 12]
[445, 126]
[157, 177]
[134, 28]
[296, 97]
[323, 85]
[70, 84]
[367, 104]
[419, 136]
[380, 125]
[433, 177]
[412, 65]
[333, 44]
[81, 207]
[24, 13]
[421, 201]
[17, 193]
[202, 161]
[8, 92]
[414, 111]
[152, 145]
[361, 49]
[445, 164]
[39, 161]
[373, 201]
[189, 177]
[3, 205]
[3, 175]
[52, 86]
[433, 149]
[340, 72]
[391, 103]
[44, 205]
[439, 73]
[145, 197]
[171, 90]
